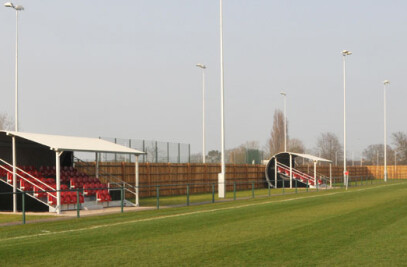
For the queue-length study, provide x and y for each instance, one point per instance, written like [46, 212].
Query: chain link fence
[157, 152]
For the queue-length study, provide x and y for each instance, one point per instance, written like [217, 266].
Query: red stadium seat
[52, 200]
[9, 178]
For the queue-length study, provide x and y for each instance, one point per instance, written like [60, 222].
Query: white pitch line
[180, 215]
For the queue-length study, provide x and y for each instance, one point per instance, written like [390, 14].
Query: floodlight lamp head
[19, 8]
[385, 82]
[9, 4]
[201, 66]
[283, 93]
[346, 53]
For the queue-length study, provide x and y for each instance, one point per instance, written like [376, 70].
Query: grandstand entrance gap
[42, 167]
[281, 171]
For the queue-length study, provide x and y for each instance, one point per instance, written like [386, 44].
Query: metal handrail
[25, 179]
[26, 173]
[306, 175]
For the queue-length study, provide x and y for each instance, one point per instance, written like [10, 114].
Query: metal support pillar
[14, 175]
[58, 179]
[291, 171]
[275, 173]
[330, 175]
[315, 173]
[137, 182]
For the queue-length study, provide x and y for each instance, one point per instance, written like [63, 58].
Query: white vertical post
[16, 80]
[58, 179]
[291, 171]
[395, 163]
[315, 173]
[203, 67]
[221, 176]
[344, 54]
[386, 82]
[203, 117]
[275, 172]
[14, 175]
[344, 120]
[285, 123]
[330, 175]
[137, 182]
[285, 120]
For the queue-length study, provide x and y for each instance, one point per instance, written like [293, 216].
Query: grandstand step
[118, 203]
[92, 206]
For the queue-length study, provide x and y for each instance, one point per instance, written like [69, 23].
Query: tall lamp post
[285, 120]
[345, 172]
[203, 67]
[385, 84]
[221, 176]
[17, 9]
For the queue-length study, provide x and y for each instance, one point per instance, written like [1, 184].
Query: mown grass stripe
[95, 227]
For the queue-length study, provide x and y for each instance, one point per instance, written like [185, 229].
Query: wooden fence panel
[200, 177]
[173, 178]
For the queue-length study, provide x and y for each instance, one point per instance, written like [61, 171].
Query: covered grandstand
[42, 166]
[281, 171]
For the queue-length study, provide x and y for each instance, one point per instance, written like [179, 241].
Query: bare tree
[276, 141]
[5, 122]
[328, 146]
[374, 154]
[296, 145]
[400, 144]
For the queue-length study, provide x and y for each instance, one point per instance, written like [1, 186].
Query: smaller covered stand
[288, 160]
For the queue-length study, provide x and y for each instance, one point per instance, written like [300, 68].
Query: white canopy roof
[70, 143]
[306, 156]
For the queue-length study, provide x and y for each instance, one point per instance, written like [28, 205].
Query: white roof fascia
[307, 156]
[311, 157]
[70, 143]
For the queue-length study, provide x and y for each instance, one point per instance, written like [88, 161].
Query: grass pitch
[361, 226]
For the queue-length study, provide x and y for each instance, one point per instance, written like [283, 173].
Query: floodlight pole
[386, 82]
[345, 173]
[16, 8]
[203, 67]
[285, 120]
[221, 176]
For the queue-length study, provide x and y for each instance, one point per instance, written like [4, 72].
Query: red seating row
[64, 168]
[27, 168]
[82, 181]
[69, 197]
[66, 171]
[103, 196]
[298, 176]
[4, 169]
[92, 188]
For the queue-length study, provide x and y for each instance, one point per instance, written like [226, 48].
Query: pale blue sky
[127, 68]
